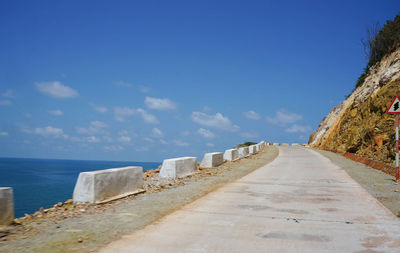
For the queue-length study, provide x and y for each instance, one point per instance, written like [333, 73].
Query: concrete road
[300, 202]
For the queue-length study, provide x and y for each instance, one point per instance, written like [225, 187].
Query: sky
[150, 80]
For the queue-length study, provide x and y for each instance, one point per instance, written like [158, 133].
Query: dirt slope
[359, 125]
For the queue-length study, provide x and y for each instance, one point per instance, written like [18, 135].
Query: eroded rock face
[360, 125]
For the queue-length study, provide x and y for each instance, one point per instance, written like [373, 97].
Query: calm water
[45, 182]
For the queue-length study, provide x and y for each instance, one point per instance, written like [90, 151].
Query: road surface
[300, 202]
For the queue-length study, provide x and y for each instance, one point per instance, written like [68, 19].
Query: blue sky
[148, 80]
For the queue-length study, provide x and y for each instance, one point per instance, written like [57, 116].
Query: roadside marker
[394, 108]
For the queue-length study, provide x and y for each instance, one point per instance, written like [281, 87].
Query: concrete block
[178, 167]
[276, 144]
[295, 145]
[243, 152]
[231, 154]
[105, 185]
[285, 145]
[252, 149]
[212, 160]
[6, 206]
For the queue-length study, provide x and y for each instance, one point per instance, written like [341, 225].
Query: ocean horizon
[44, 182]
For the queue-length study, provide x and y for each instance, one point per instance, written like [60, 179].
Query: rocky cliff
[360, 125]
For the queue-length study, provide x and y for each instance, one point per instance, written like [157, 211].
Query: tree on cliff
[378, 43]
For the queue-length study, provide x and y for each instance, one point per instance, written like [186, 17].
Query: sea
[44, 182]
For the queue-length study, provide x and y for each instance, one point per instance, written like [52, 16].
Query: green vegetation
[246, 144]
[379, 43]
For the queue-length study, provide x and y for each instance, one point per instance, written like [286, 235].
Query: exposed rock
[360, 125]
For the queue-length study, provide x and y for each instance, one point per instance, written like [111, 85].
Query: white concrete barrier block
[178, 167]
[212, 160]
[105, 185]
[252, 149]
[275, 144]
[243, 152]
[295, 145]
[6, 206]
[231, 154]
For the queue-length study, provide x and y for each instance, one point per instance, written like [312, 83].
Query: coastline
[84, 228]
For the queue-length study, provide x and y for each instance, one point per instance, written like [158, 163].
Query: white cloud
[250, 135]
[56, 90]
[206, 133]
[113, 148]
[122, 112]
[252, 115]
[283, 117]
[298, 129]
[148, 139]
[48, 131]
[217, 121]
[93, 139]
[5, 102]
[95, 127]
[9, 94]
[3, 134]
[55, 112]
[163, 142]
[147, 117]
[210, 144]
[180, 143]
[125, 139]
[98, 124]
[163, 104]
[157, 132]
[99, 108]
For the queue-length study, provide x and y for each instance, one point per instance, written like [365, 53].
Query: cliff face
[360, 125]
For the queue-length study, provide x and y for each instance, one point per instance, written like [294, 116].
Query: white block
[252, 149]
[295, 145]
[6, 206]
[276, 144]
[105, 185]
[212, 160]
[231, 154]
[178, 167]
[243, 152]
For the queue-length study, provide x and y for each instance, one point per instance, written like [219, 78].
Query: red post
[397, 147]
